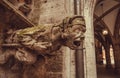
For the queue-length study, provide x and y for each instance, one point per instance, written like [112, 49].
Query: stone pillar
[116, 49]
[101, 54]
[98, 51]
[79, 55]
[87, 9]
[69, 63]
[107, 54]
[80, 62]
[116, 43]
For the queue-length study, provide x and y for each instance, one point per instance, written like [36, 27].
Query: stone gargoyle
[26, 44]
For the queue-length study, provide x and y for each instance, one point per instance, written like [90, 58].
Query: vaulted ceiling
[107, 16]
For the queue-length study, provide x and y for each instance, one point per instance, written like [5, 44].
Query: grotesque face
[74, 34]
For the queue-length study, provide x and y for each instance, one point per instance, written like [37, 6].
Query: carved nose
[77, 43]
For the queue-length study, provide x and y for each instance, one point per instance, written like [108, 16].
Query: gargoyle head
[73, 31]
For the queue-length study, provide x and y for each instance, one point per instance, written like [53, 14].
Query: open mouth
[76, 43]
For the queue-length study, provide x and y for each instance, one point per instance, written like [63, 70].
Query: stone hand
[41, 46]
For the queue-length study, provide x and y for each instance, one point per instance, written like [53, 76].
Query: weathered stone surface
[89, 53]
[55, 63]
[54, 76]
[51, 11]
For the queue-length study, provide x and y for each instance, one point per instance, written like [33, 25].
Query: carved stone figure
[25, 45]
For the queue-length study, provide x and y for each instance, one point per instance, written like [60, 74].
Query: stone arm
[31, 43]
[21, 53]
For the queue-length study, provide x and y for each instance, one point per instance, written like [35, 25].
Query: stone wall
[36, 11]
[50, 11]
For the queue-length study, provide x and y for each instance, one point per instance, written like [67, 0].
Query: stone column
[101, 54]
[87, 9]
[79, 55]
[98, 51]
[68, 63]
[80, 62]
[116, 43]
[107, 54]
[116, 49]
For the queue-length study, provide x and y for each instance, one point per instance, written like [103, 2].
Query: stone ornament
[26, 44]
